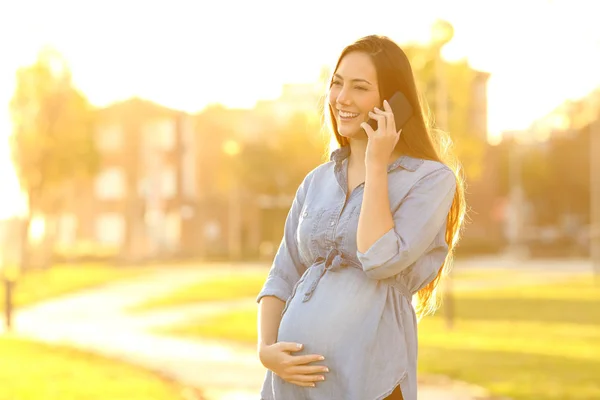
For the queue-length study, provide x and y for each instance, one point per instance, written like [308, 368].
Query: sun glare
[187, 65]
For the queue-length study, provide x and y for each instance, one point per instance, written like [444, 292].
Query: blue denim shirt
[355, 308]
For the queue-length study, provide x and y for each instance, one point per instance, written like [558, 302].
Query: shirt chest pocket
[307, 232]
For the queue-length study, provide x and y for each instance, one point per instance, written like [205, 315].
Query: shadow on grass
[520, 376]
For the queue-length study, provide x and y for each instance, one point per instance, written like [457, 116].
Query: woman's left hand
[382, 141]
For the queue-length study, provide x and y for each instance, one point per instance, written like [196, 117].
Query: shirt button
[332, 223]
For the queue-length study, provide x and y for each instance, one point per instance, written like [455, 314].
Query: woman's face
[353, 93]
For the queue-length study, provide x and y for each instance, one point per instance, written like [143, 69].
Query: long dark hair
[418, 139]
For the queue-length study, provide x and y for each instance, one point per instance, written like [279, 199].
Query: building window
[67, 229]
[167, 131]
[110, 184]
[110, 229]
[168, 187]
[109, 138]
[188, 174]
[480, 92]
[160, 134]
[188, 158]
[173, 229]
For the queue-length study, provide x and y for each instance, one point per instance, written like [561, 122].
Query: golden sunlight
[231, 148]
[169, 174]
[37, 229]
[172, 59]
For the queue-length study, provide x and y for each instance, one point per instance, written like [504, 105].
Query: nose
[343, 97]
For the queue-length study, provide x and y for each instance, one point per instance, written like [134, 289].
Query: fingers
[381, 123]
[287, 346]
[306, 376]
[368, 130]
[305, 370]
[295, 369]
[391, 122]
[306, 359]
[305, 380]
[387, 107]
[384, 119]
[381, 118]
[304, 384]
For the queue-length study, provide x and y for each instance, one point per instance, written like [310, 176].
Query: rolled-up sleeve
[417, 221]
[287, 268]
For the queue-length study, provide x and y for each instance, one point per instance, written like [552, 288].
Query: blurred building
[170, 183]
[456, 94]
[235, 220]
[306, 98]
[483, 231]
[225, 213]
[173, 184]
[552, 170]
[142, 203]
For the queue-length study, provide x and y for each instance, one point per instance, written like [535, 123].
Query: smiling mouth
[347, 116]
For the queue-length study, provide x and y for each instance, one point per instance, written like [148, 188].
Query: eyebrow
[353, 80]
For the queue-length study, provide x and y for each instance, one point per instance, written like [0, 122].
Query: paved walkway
[97, 320]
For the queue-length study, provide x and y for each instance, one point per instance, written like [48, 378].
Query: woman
[366, 231]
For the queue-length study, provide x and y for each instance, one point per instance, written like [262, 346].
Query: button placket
[332, 223]
[313, 232]
[347, 223]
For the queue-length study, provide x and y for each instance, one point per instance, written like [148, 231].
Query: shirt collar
[406, 162]
[340, 154]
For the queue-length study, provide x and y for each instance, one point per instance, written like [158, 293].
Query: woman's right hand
[293, 369]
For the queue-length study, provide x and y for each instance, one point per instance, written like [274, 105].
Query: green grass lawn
[32, 371]
[249, 285]
[38, 285]
[528, 343]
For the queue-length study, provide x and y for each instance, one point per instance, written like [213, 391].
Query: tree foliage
[279, 165]
[52, 141]
[464, 108]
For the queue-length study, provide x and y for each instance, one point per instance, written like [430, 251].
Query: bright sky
[186, 54]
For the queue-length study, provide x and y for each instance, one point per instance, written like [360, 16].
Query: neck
[358, 150]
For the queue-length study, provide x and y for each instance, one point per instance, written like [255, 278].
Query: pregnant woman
[367, 231]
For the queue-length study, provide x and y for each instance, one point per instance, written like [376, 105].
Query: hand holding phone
[400, 107]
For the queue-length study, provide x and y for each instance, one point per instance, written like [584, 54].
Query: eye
[336, 83]
[361, 88]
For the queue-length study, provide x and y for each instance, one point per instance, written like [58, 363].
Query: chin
[351, 132]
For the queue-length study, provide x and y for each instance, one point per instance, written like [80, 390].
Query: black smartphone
[400, 107]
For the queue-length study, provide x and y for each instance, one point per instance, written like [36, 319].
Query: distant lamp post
[11, 231]
[232, 149]
[442, 33]
[9, 277]
[594, 230]
[523, 142]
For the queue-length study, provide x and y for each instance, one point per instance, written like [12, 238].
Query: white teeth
[345, 114]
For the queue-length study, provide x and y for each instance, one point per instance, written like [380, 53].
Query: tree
[461, 86]
[278, 166]
[52, 142]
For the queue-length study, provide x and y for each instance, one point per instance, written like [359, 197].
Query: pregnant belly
[344, 310]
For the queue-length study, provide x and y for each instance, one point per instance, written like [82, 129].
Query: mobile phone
[400, 107]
